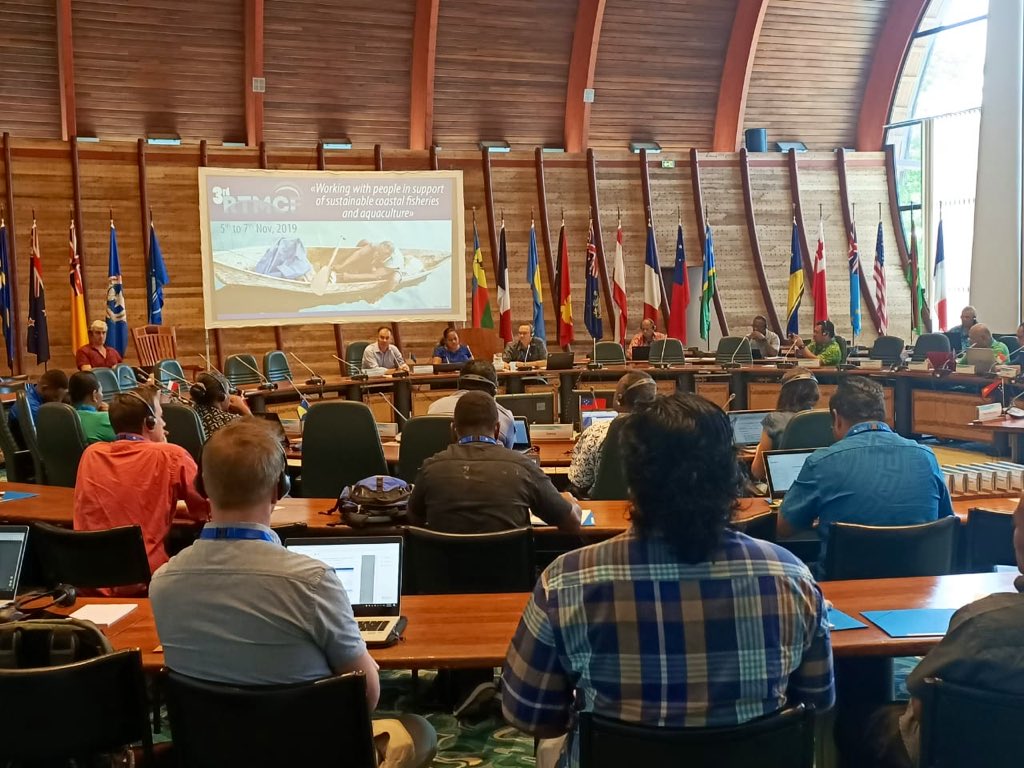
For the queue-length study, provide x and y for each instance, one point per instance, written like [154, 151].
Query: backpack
[376, 500]
[34, 643]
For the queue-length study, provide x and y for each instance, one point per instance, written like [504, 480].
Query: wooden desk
[1007, 428]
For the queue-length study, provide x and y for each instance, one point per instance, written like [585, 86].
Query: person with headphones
[139, 478]
[478, 375]
[527, 351]
[648, 333]
[762, 339]
[824, 347]
[799, 392]
[212, 401]
[86, 397]
[238, 608]
[633, 388]
[449, 350]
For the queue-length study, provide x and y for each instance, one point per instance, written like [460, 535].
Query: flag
[680, 292]
[566, 332]
[38, 340]
[504, 300]
[533, 278]
[708, 284]
[157, 279]
[592, 303]
[819, 287]
[883, 316]
[302, 408]
[796, 284]
[854, 260]
[481, 300]
[619, 290]
[917, 297]
[940, 278]
[652, 278]
[79, 324]
[117, 318]
[5, 297]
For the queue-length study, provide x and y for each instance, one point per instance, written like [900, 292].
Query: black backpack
[375, 500]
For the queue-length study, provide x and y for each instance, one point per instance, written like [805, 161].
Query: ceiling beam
[66, 71]
[424, 54]
[582, 62]
[739, 62]
[893, 42]
[253, 68]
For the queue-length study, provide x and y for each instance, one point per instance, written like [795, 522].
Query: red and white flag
[818, 287]
[652, 278]
[619, 290]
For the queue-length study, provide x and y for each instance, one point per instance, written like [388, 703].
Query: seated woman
[633, 388]
[449, 350]
[799, 392]
[212, 401]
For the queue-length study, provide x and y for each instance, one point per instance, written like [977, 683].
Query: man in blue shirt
[871, 476]
[51, 388]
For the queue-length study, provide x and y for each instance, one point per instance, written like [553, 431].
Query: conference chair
[275, 366]
[667, 351]
[734, 349]
[215, 725]
[17, 460]
[465, 563]
[888, 349]
[962, 726]
[1010, 340]
[891, 552]
[610, 480]
[154, 343]
[808, 429]
[115, 557]
[340, 446]
[844, 348]
[761, 526]
[989, 540]
[930, 342]
[609, 353]
[168, 372]
[422, 437]
[185, 428]
[535, 407]
[108, 382]
[126, 379]
[781, 740]
[241, 369]
[61, 443]
[76, 711]
[354, 357]
[27, 425]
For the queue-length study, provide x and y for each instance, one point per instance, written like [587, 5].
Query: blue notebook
[838, 621]
[15, 495]
[913, 622]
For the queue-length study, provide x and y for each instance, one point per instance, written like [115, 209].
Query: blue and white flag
[156, 280]
[117, 318]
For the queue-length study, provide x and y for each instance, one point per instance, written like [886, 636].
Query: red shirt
[88, 355]
[137, 482]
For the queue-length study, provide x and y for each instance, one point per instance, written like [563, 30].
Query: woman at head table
[450, 350]
[799, 392]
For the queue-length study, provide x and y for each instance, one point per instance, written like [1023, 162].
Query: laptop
[561, 361]
[746, 427]
[448, 367]
[522, 442]
[12, 555]
[783, 468]
[983, 360]
[641, 353]
[274, 421]
[592, 417]
[370, 568]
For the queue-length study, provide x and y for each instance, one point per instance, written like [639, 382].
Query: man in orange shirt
[139, 478]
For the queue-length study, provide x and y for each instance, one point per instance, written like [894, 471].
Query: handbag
[375, 500]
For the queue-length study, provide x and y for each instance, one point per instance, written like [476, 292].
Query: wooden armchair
[154, 343]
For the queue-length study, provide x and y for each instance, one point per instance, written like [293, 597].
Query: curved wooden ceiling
[408, 73]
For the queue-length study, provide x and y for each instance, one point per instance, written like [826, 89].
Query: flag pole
[707, 225]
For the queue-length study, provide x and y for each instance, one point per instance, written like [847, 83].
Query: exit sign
[668, 163]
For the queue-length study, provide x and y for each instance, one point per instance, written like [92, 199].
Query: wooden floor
[948, 455]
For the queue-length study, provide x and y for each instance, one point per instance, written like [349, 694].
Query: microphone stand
[315, 380]
[265, 384]
[359, 374]
[593, 365]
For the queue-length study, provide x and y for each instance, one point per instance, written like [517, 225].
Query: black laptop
[12, 554]
[641, 353]
[448, 367]
[560, 361]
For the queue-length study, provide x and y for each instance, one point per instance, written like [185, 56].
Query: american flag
[883, 315]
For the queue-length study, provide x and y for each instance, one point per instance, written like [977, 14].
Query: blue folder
[913, 622]
[15, 495]
[838, 621]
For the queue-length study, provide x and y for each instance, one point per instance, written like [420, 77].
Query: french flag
[652, 278]
[940, 279]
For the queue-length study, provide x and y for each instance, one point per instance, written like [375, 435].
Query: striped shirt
[644, 638]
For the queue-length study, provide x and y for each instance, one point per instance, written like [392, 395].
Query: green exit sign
[668, 163]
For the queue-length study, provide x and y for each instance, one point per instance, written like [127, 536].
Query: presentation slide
[291, 247]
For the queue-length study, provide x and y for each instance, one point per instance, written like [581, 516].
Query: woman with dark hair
[449, 350]
[799, 392]
[213, 401]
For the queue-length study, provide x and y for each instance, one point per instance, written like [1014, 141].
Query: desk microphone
[164, 388]
[232, 389]
[315, 380]
[265, 383]
[786, 362]
[391, 405]
[359, 374]
[732, 359]
[661, 358]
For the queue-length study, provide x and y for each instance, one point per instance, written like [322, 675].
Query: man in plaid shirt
[680, 621]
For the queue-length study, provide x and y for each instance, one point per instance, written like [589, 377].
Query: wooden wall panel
[502, 75]
[29, 88]
[153, 67]
[357, 83]
[810, 69]
[619, 191]
[659, 68]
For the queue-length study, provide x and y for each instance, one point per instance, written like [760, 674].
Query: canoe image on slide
[288, 277]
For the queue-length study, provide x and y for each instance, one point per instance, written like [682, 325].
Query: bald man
[981, 338]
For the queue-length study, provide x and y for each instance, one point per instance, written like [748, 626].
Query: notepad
[16, 495]
[913, 622]
[104, 614]
[588, 519]
[839, 621]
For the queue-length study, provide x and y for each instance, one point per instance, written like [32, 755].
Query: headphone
[478, 379]
[803, 375]
[644, 382]
[63, 595]
[284, 483]
[150, 421]
[198, 390]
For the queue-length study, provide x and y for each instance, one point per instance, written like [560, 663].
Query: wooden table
[1005, 428]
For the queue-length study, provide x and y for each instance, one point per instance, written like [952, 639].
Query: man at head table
[981, 338]
[824, 345]
[96, 354]
[763, 340]
[383, 354]
[526, 350]
[648, 333]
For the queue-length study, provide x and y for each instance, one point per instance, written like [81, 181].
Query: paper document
[588, 519]
[837, 621]
[104, 614]
[912, 622]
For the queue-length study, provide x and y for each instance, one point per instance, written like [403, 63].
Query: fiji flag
[592, 301]
[303, 409]
[117, 320]
[533, 278]
[157, 279]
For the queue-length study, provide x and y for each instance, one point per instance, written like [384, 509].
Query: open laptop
[783, 468]
[592, 417]
[983, 359]
[522, 442]
[560, 361]
[12, 555]
[746, 427]
[370, 568]
[448, 367]
[641, 353]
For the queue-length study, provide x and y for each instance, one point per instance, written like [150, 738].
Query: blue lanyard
[133, 438]
[237, 533]
[869, 426]
[477, 439]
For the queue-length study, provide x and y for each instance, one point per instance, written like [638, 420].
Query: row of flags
[37, 332]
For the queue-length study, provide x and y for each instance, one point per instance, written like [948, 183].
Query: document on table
[104, 614]
[15, 495]
[913, 622]
[837, 621]
[588, 519]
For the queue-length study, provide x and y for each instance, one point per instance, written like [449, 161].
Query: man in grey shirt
[383, 354]
[764, 341]
[478, 376]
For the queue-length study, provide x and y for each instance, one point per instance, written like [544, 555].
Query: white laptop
[746, 427]
[783, 468]
[12, 555]
[370, 568]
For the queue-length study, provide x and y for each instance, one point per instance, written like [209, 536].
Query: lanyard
[868, 426]
[237, 533]
[133, 438]
[477, 439]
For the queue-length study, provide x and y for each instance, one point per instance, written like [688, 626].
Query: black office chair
[108, 382]
[455, 563]
[17, 460]
[609, 353]
[782, 740]
[275, 366]
[930, 342]
[535, 407]
[422, 437]
[27, 425]
[1010, 340]
[61, 443]
[75, 711]
[115, 557]
[734, 349]
[354, 357]
[241, 369]
[185, 428]
[126, 379]
[963, 726]
[212, 724]
[169, 371]
[761, 526]
[667, 351]
[891, 552]
[989, 540]
[808, 429]
[340, 446]
[888, 349]
[844, 349]
[610, 479]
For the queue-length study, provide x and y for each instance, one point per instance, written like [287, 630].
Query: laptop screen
[746, 426]
[783, 468]
[12, 553]
[592, 417]
[370, 569]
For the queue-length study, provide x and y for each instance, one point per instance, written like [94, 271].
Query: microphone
[265, 382]
[732, 358]
[359, 374]
[729, 401]
[316, 380]
[661, 358]
[164, 388]
[398, 413]
[232, 390]
[785, 362]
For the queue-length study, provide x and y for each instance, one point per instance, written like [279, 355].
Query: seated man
[87, 398]
[968, 319]
[96, 354]
[527, 350]
[478, 375]
[236, 607]
[871, 476]
[764, 341]
[659, 626]
[383, 354]
[139, 478]
[824, 347]
[479, 486]
[981, 338]
[648, 333]
[51, 387]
